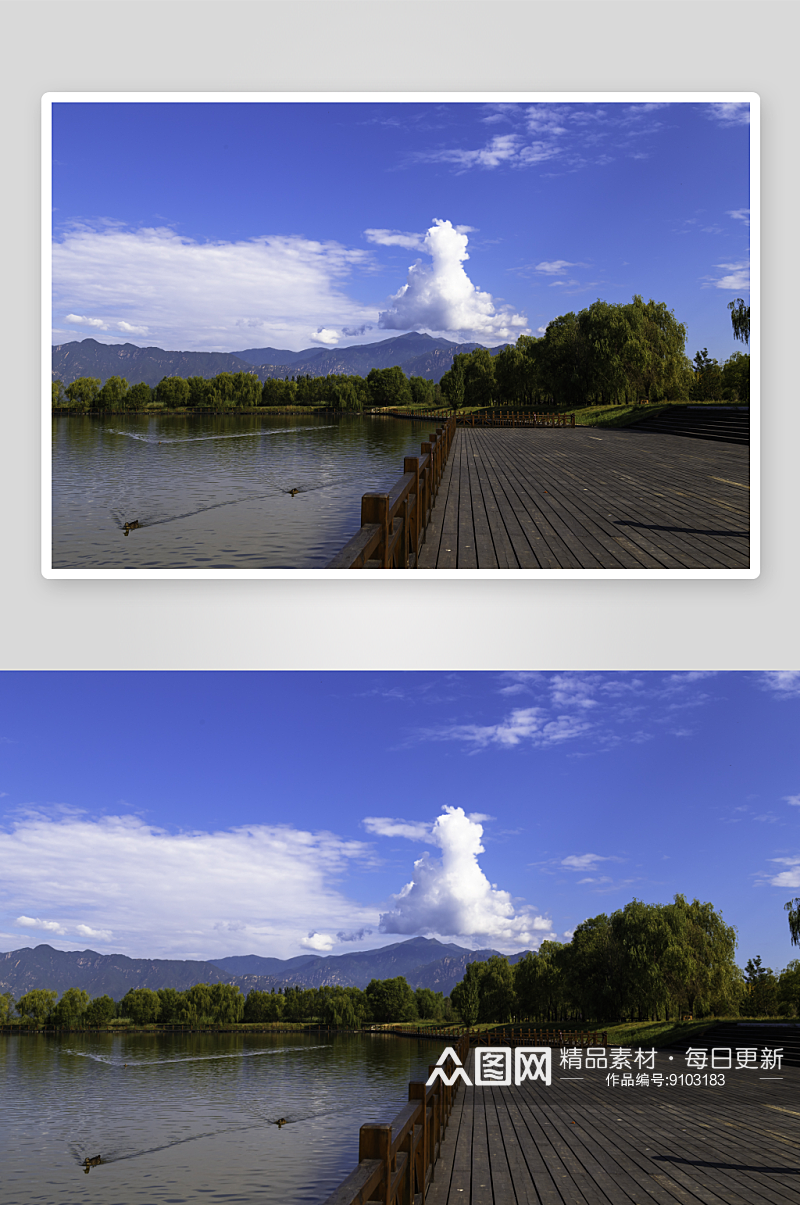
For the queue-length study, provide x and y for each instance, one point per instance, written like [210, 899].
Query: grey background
[402, 46]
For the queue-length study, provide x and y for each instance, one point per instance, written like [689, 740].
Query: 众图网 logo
[493, 1066]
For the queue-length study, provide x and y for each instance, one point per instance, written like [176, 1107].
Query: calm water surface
[191, 1118]
[212, 492]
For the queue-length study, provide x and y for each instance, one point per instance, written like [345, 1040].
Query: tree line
[243, 390]
[604, 355]
[224, 1004]
[644, 962]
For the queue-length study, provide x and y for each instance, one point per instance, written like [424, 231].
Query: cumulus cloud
[261, 888]
[82, 320]
[49, 926]
[188, 294]
[318, 941]
[329, 338]
[359, 936]
[452, 897]
[440, 297]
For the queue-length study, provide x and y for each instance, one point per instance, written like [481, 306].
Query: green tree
[139, 396]
[789, 989]
[173, 392]
[430, 1004]
[391, 1000]
[423, 391]
[261, 1007]
[142, 1006]
[466, 995]
[71, 1007]
[389, 387]
[707, 385]
[83, 393]
[539, 982]
[36, 1006]
[227, 1003]
[113, 394]
[740, 319]
[708, 980]
[479, 382]
[6, 1007]
[452, 383]
[59, 397]
[736, 378]
[498, 1001]
[100, 1011]
[793, 908]
[171, 1005]
[277, 392]
[762, 990]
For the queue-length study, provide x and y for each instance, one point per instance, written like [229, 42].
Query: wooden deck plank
[585, 1143]
[574, 499]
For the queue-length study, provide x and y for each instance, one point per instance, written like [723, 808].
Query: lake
[213, 491]
[187, 1118]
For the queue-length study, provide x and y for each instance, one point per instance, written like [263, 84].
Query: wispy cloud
[783, 683]
[216, 296]
[730, 113]
[790, 877]
[185, 894]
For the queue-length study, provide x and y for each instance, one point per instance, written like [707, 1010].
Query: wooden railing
[396, 1160]
[494, 418]
[393, 524]
[516, 1036]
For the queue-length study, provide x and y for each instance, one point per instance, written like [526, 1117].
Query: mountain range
[423, 961]
[418, 355]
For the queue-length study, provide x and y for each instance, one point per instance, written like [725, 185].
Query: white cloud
[318, 941]
[452, 897]
[742, 215]
[793, 800]
[414, 830]
[787, 878]
[96, 934]
[730, 113]
[329, 338]
[523, 724]
[207, 296]
[584, 861]
[785, 683]
[396, 238]
[737, 279]
[555, 267]
[49, 926]
[440, 297]
[257, 888]
[82, 320]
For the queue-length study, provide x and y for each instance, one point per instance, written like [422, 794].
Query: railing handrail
[396, 1159]
[393, 522]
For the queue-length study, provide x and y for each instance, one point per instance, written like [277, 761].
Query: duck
[88, 1163]
[293, 492]
[130, 526]
[281, 1122]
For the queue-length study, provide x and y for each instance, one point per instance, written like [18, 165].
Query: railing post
[375, 509]
[411, 465]
[375, 1142]
[418, 1090]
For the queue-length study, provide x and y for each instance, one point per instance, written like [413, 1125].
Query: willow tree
[740, 319]
[793, 908]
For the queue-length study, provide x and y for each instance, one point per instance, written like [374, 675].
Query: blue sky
[222, 226]
[204, 814]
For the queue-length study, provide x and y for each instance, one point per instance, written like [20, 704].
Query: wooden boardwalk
[581, 1142]
[590, 499]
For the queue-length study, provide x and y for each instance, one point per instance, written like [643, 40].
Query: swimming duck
[130, 526]
[280, 1122]
[293, 492]
[88, 1163]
